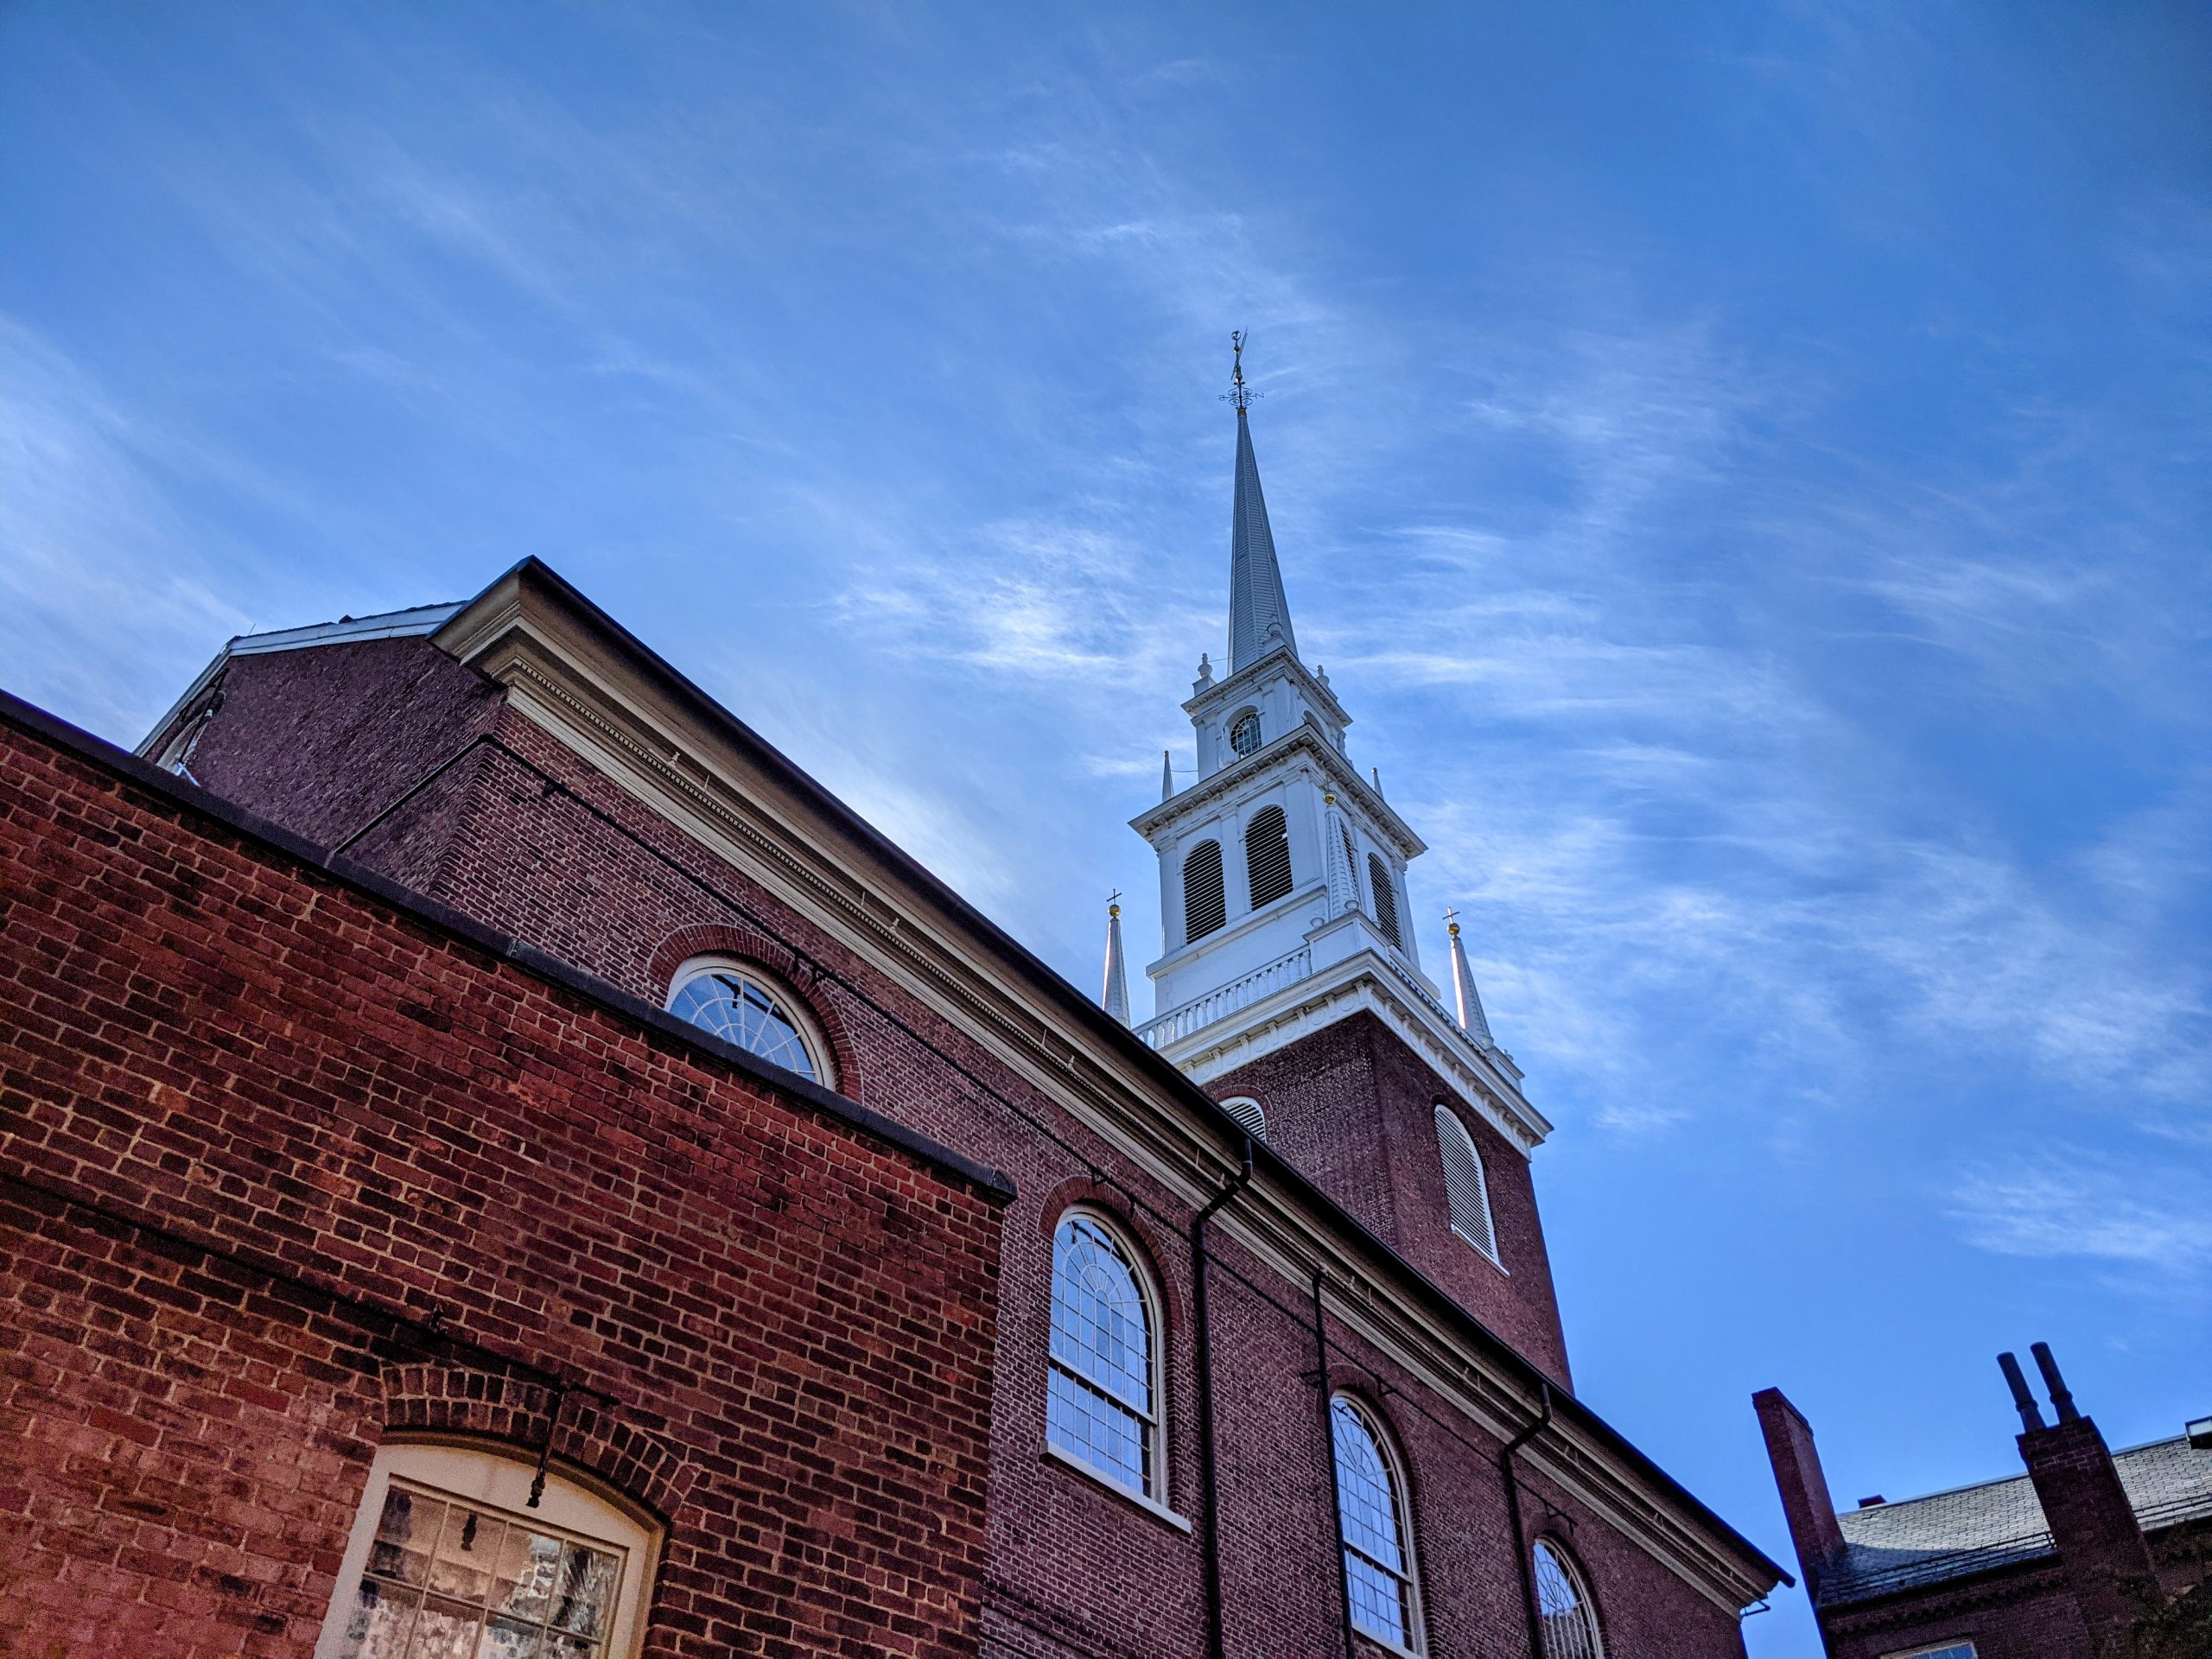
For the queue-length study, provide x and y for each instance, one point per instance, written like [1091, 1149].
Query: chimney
[1805, 1500]
[2101, 1550]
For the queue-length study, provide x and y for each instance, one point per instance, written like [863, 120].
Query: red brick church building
[495, 1161]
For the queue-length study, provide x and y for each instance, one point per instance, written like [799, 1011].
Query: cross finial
[1239, 393]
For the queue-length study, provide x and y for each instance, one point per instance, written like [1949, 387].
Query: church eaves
[1259, 615]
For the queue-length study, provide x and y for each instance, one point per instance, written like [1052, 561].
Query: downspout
[1328, 1457]
[1202, 1331]
[1521, 1550]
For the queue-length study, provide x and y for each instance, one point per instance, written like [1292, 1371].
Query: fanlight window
[737, 1005]
[1386, 899]
[1267, 856]
[455, 1555]
[1244, 733]
[1206, 906]
[1568, 1621]
[1378, 1552]
[1247, 1111]
[1466, 1188]
[1099, 1406]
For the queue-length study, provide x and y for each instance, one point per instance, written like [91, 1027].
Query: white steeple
[1282, 896]
[1464, 994]
[1115, 999]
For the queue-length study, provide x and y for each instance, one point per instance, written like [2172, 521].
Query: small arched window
[1101, 1396]
[1244, 733]
[1569, 1622]
[1267, 856]
[1377, 1543]
[1247, 1111]
[1466, 1187]
[454, 1551]
[741, 1005]
[1206, 906]
[1386, 899]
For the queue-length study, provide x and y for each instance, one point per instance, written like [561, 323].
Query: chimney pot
[2031, 1413]
[2061, 1399]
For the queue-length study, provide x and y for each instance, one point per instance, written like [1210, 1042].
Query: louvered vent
[1267, 856]
[1386, 899]
[1205, 906]
[1246, 1110]
[1465, 1188]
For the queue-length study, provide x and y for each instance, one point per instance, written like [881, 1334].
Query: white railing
[1180, 1022]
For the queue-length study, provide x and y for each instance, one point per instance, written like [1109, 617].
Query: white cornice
[1305, 738]
[1337, 992]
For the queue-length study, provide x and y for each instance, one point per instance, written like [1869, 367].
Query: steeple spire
[1462, 988]
[1259, 615]
[1116, 997]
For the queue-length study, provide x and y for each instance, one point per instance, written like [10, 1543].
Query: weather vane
[1238, 392]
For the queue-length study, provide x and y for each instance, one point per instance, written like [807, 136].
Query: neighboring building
[1270, 1367]
[2062, 1562]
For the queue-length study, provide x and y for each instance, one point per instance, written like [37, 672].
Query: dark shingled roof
[1923, 1540]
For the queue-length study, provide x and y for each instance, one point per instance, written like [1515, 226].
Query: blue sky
[1743, 466]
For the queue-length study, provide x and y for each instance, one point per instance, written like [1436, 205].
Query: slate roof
[1924, 1540]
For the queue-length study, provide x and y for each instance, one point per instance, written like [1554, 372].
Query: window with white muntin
[1378, 1551]
[453, 1555]
[1104, 1387]
[739, 1003]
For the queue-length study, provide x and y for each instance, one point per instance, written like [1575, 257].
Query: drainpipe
[1513, 1514]
[1203, 1333]
[1328, 1457]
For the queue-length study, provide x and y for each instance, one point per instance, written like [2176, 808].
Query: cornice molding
[1304, 739]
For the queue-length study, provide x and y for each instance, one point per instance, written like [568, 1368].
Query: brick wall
[284, 1166]
[1355, 1108]
[591, 875]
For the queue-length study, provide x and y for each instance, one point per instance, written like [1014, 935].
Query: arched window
[1205, 906]
[1267, 856]
[1466, 1189]
[1244, 733]
[451, 1554]
[1246, 1110]
[1100, 1398]
[1569, 1622]
[1386, 899]
[741, 1005]
[1377, 1542]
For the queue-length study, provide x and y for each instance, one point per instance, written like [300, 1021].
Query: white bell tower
[1282, 871]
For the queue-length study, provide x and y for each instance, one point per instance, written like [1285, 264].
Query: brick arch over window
[629, 1460]
[782, 963]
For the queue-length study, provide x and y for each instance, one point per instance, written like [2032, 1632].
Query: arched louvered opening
[1568, 1621]
[1267, 856]
[1246, 1110]
[1466, 1190]
[1244, 733]
[1386, 899]
[1206, 906]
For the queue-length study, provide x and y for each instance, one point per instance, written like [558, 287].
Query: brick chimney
[1805, 1500]
[2101, 1550]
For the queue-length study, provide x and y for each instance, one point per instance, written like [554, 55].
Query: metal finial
[1238, 392]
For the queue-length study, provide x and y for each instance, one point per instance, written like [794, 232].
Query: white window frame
[811, 1036]
[1487, 1247]
[493, 1479]
[1250, 1113]
[1155, 1420]
[1578, 1581]
[1401, 1492]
